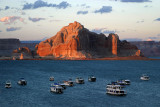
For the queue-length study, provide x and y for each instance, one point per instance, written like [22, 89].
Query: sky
[132, 20]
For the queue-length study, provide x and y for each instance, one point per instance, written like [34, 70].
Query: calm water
[37, 92]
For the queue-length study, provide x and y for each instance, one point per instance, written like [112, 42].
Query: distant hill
[149, 48]
[30, 42]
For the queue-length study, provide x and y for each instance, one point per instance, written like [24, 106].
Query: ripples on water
[91, 94]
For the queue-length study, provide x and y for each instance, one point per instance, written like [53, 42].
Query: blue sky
[39, 19]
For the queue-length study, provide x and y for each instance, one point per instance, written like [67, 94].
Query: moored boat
[51, 78]
[22, 81]
[60, 84]
[69, 83]
[92, 78]
[8, 84]
[56, 89]
[128, 82]
[79, 80]
[115, 90]
[144, 77]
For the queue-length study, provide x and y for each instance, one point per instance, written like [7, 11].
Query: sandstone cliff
[75, 41]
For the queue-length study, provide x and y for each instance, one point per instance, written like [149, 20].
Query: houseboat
[60, 84]
[56, 89]
[144, 77]
[92, 78]
[79, 80]
[22, 81]
[51, 78]
[115, 90]
[8, 84]
[69, 83]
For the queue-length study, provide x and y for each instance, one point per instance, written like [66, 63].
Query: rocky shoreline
[80, 59]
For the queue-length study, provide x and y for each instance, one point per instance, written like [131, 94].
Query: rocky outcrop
[22, 53]
[75, 41]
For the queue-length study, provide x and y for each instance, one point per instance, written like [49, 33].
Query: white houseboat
[144, 77]
[56, 89]
[8, 84]
[51, 78]
[79, 80]
[92, 78]
[22, 81]
[115, 90]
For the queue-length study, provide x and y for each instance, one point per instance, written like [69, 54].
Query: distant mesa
[76, 42]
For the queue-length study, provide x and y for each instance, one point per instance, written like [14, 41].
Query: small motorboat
[115, 90]
[51, 78]
[56, 89]
[144, 77]
[69, 83]
[22, 81]
[8, 84]
[79, 80]
[92, 78]
[128, 82]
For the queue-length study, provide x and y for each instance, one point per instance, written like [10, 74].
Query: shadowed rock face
[75, 41]
[7, 46]
[22, 53]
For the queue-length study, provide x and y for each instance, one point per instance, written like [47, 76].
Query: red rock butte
[75, 41]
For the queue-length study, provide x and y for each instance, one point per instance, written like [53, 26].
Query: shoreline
[81, 59]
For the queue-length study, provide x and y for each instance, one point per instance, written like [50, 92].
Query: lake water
[91, 94]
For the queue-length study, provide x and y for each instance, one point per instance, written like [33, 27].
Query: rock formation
[22, 53]
[75, 41]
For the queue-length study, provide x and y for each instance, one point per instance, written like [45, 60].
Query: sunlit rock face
[75, 41]
[113, 41]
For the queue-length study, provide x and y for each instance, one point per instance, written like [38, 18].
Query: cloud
[138, 1]
[23, 13]
[11, 19]
[158, 19]
[146, 6]
[9, 29]
[135, 1]
[141, 21]
[82, 12]
[55, 20]
[7, 7]
[85, 6]
[36, 19]
[103, 30]
[40, 3]
[104, 9]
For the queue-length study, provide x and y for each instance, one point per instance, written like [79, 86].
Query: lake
[91, 94]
